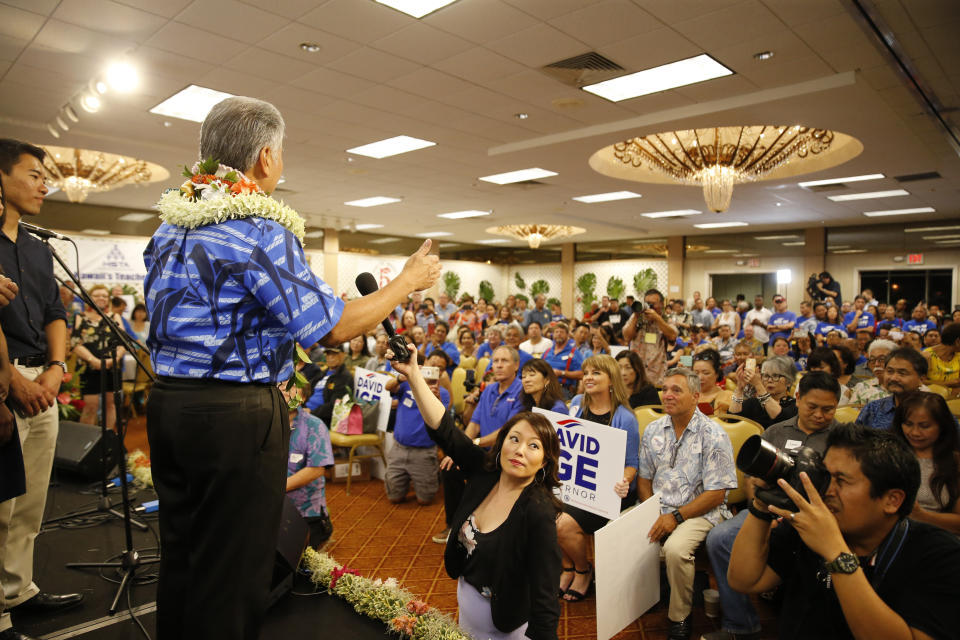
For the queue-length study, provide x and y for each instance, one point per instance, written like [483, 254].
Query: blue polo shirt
[566, 359]
[866, 321]
[495, 408]
[787, 317]
[484, 351]
[410, 429]
[919, 327]
[450, 349]
[879, 414]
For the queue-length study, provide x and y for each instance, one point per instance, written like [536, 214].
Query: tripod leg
[133, 521]
[124, 584]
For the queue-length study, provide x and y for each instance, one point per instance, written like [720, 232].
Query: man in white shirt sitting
[536, 345]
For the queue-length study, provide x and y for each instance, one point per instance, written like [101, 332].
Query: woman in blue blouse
[605, 400]
[541, 388]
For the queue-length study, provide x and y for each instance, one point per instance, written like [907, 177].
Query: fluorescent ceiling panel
[720, 251]
[96, 232]
[384, 240]
[493, 241]
[136, 217]
[781, 237]
[672, 214]
[521, 175]
[608, 197]
[921, 229]
[375, 201]
[720, 225]
[943, 237]
[193, 103]
[434, 234]
[391, 147]
[851, 251]
[459, 215]
[662, 78]
[364, 226]
[870, 195]
[898, 212]
[947, 242]
[416, 8]
[820, 183]
[800, 243]
[313, 234]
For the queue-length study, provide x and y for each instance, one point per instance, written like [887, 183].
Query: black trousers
[218, 455]
[454, 483]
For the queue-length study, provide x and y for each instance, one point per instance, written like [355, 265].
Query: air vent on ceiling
[913, 177]
[587, 68]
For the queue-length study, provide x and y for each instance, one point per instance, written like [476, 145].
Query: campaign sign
[370, 386]
[591, 462]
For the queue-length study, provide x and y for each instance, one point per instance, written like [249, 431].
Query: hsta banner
[591, 462]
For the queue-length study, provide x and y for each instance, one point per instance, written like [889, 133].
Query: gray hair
[781, 366]
[513, 326]
[236, 129]
[513, 352]
[877, 345]
[693, 379]
[495, 329]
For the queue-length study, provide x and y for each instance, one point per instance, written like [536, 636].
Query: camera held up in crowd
[763, 460]
[812, 289]
[639, 306]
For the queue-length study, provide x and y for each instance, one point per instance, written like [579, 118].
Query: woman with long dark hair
[541, 387]
[635, 380]
[924, 421]
[502, 548]
[714, 398]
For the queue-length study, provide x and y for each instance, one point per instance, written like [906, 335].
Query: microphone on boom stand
[40, 232]
[367, 284]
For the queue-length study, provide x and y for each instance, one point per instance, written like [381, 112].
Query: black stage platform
[294, 615]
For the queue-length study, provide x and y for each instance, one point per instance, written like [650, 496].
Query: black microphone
[40, 232]
[367, 284]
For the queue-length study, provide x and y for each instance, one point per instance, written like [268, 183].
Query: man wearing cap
[781, 321]
[335, 383]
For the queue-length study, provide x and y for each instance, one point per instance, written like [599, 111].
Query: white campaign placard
[591, 462]
[627, 567]
[370, 385]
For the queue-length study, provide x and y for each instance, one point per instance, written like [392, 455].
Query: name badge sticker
[296, 457]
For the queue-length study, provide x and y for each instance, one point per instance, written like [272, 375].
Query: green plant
[586, 285]
[486, 291]
[451, 284]
[615, 287]
[538, 287]
[644, 280]
[519, 281]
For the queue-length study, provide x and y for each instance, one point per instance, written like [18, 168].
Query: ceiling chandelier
[79, 172]
[717, 158]
[534, 234]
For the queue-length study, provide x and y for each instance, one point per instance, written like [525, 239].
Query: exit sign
[914, 258]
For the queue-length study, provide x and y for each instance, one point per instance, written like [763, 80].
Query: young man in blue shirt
[566, 361]
[919, 323]
[782, 321]
[860, 317]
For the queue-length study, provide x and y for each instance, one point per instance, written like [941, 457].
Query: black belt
[31, 361]
[199, 383]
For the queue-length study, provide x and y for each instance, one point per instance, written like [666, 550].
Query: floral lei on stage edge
[381, 600]
[214, 193]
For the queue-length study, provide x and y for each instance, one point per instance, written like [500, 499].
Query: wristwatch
[844, 563]
[678, 516]
[57, 363]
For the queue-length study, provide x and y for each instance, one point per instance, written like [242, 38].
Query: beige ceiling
[459, 76]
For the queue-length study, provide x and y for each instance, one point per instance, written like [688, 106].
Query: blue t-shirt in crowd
[495, 408]
[228, 301]
[410, 429]
[787, 317]
[920, 327]
[824, 328]
[866, 320]
[484, 351]
[450, 349]
[309, 447]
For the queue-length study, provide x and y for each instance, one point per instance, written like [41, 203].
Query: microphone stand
[130, 559]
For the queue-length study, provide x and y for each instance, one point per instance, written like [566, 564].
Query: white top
[536, 350]
[763, 315]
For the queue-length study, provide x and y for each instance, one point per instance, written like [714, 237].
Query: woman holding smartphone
[502, 548]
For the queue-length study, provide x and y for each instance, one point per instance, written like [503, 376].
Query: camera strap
[888, 552]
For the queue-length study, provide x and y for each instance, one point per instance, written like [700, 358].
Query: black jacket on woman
[528, 570]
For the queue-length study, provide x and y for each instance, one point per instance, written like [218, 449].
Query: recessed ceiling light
[781, 237]
[313, 234]
[384, 240]
[608, 197]
[720, 225]
[820, 183]
[947, 241]
[851, 251]
[416, 8]
[870, 195]
[763, 55]
[89, 102]
[375, 201]
[136, 217]
[518, 176]
[96, 232]
[672, 214]
[493, 241]
[839, 246]
[745, 255]
[52, 131]
[944, 237]
[459, 215]
[364, 226]
[391, 147]
[434, 234]
[798, 243]
[521, 116]
[720, 251]
[310, 47]
[122, 77]
[898, 212]
[921, 229]
[662, 78]
[193, 103]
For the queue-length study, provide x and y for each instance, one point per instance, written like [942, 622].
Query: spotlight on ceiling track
[90, 103]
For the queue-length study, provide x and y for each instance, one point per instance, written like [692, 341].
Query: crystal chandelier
[717, 158]
[79, 172]
[534, 234]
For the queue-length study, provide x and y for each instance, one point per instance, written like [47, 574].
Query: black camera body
[399, 347]
[763, 460]
[639, 306]
[470, 381]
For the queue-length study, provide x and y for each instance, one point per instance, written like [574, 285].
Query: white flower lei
[196, 205]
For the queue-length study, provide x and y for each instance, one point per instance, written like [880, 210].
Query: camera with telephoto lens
[812, 290]
[639, 306]
[763, 460]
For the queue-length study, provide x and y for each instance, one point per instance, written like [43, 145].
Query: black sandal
[576, 596]
[560, 591]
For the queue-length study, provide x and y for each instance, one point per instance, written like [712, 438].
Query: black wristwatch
[57, 363]
[762, 515]
[843, 563]
[678, 516]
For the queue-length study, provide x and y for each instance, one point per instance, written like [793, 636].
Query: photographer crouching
[851, 563]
